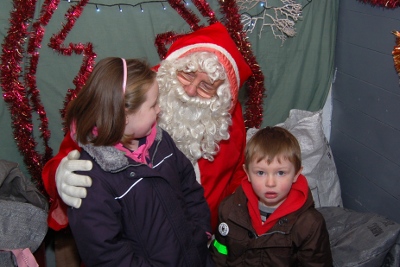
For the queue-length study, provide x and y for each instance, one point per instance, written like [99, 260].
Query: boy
[270, 220]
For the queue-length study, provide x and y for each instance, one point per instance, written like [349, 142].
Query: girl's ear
[297, 174]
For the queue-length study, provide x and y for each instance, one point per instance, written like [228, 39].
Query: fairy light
[120, 5]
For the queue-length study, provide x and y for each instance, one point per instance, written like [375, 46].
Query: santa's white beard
[196, 124]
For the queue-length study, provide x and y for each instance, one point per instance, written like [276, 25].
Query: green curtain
[297, 73]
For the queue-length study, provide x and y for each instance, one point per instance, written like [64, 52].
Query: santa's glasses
[198, 84]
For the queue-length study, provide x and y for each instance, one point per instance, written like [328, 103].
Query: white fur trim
[177, 53]
[197, 171]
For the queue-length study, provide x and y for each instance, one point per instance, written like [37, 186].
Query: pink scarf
[142, 153]
[139, 155]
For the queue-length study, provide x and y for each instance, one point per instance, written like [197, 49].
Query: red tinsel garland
[16, 93]
[383, 3]
[57, 41]
[162, 40]
[256, 91]
[205, 10]
[396, 52]
[34, 44]
[185, 13]
[23, 98]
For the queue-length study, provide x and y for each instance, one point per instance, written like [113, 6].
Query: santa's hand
[71, 186]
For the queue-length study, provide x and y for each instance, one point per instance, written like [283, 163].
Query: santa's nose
[190, 89]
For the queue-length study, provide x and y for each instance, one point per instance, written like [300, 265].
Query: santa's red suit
[219, 177]
[223, 175]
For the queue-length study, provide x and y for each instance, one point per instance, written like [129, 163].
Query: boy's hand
[71, 186]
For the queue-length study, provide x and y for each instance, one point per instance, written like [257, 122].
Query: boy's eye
[281, 173]
[260, 173]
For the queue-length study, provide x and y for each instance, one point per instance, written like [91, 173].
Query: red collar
[294, 201]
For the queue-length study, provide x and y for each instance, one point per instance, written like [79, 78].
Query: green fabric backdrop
[298, 73]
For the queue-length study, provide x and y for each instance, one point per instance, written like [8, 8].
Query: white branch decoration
[281, 20]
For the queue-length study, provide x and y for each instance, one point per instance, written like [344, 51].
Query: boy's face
[272, 182]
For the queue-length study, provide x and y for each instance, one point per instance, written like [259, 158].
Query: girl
[144, 207]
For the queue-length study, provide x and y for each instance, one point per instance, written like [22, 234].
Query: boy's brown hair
[273, 142]
[101, 103]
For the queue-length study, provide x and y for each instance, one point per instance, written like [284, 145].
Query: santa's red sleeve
[57, 217]
[222, 176]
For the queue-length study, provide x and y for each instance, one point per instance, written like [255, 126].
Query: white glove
[71, 186]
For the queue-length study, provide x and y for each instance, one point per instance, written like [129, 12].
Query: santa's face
[198, 84]
[196, 117]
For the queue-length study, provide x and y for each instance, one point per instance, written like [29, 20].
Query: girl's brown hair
[273, 142]
[101, 103]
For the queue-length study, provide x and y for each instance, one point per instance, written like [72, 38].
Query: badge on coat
[223, 229]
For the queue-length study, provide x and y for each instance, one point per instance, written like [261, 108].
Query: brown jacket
[298, 239]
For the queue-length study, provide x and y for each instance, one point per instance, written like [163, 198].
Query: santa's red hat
[216, 39]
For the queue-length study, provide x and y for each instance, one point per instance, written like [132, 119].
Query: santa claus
[199, 82]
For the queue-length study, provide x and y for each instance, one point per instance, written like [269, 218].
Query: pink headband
[125, 74]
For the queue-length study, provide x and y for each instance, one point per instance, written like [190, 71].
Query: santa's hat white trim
[177, 53]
